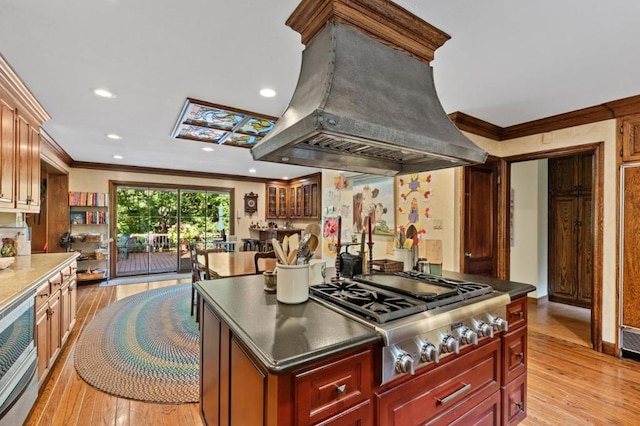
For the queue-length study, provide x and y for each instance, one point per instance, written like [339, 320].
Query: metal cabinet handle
[520, 355]
[465, 387]
[44, 295]
[341, 389]
[519, 405]
[467, 254]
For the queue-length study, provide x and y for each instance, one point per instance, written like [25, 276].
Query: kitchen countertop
[287, 336]
[282, 336]
[27, 272]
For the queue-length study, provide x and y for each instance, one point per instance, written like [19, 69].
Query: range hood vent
[361, 105]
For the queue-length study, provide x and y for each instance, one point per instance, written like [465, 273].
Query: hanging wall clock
[250, 203]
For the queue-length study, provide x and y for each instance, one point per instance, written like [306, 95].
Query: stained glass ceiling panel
[206, 122]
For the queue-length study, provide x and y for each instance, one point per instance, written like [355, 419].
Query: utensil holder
[293, 283]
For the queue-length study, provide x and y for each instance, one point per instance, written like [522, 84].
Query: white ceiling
[507, 62]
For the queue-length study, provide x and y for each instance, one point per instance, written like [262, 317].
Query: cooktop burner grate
[374, 303]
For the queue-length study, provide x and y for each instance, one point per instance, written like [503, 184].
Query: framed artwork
[250, 203]
[78, 218]
[373, 197]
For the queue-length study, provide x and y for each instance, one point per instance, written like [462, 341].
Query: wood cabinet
[571, 230]
[55, 306]
[236, 389]
[21, 117]
[514, 366]
[297, 199]
[630, 129]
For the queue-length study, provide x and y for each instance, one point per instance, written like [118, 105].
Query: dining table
[231, 264]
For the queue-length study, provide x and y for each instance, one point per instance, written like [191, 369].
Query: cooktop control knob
[468, 336]
[429, 353]
[498, 323]
[483, 329]
[404, 364]
[449, 344]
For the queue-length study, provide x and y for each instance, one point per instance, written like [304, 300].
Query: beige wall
[98, 181]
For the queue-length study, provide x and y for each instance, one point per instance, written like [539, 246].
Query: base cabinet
[55, 306]
[237, 390]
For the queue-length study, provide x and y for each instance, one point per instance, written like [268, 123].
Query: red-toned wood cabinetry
[514, 371]
[295, 199]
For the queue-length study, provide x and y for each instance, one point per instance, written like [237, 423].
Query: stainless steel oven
[18, 361]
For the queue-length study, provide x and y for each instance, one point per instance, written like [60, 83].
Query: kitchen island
[264, 362]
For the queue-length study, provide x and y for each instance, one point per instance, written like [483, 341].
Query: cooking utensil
[312, 228]
[291, 258]
[313, 243]
[294, 240]
[285, 244]
[280, 255]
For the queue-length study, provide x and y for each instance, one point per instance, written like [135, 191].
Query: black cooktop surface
[409, 286]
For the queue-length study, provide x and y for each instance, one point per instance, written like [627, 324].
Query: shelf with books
[89, 234]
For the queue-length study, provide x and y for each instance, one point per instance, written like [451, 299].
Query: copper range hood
[365, 99]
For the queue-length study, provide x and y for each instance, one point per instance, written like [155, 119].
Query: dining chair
[200, 271]
[267, 264]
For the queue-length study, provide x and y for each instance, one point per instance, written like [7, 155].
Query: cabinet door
[28, 172]
[247, 393]
[563, 176]
[585, 253]
[209, 366]
[272, 202]
[42, 340]
[562, 242]
[65, 313]
[630, 241]
[631, 138]
[7, 154]
[73, 297]
[54, 326]
[282, 202]
[292, 202]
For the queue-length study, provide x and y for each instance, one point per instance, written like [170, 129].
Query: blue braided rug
[144, 347]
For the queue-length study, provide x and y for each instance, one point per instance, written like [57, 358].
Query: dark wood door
[481, 219]
[570, 274]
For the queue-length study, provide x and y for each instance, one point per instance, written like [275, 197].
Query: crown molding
[11, 83]
[47, 140]
[167, 172]
[605, 111]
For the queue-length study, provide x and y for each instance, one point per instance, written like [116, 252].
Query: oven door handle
[465, 387]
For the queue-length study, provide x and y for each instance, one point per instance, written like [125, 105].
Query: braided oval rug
[144, 347]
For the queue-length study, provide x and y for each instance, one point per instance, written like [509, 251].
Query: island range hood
[365, 99]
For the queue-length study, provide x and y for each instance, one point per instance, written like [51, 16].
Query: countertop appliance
[422, 318]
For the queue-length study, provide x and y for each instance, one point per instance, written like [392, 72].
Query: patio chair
[125, 244]
[267, 264]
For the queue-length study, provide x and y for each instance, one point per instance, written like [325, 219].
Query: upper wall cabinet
[630, 129]
[21, 117]
[295, 199]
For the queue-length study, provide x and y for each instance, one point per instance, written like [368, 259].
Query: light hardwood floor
[568, 383]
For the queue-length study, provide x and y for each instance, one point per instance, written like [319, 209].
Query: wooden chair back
[269, 262]
[201, 264]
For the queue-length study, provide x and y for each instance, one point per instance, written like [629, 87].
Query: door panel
[562, 242]
[585, 248]
[481, 207]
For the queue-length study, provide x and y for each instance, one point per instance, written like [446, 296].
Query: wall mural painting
[330, 235]
[413, 201]
[334, 208]
[373, 198]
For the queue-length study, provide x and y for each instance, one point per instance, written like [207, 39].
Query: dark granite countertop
[282, 336]
[515, 289]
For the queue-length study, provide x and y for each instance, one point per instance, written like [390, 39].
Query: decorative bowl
[5, 262]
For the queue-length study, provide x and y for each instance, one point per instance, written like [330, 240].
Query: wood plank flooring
[569, 384]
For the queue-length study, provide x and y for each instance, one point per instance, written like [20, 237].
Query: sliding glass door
[156, 225]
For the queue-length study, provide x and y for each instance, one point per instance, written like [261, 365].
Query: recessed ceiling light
[285, 178]
[268, 93]
[104, 93]
[208, 149]
[285, 159]
[118, 157]
[252, 170]
[114, 136]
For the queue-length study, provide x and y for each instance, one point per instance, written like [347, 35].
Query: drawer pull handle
[341, 389]
[519, 314]
[44, 295]
[520, 355]
[463, 389]
[519, 405]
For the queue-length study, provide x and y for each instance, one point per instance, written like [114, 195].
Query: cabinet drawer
[324, 391]
[469, 379]
[42, 295]
[514, 354]
[69, 271]
[514, 401]
[55, 281]
[360, 415]
[485, 413]
[517, 313]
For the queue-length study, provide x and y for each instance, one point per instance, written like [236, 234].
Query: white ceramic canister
[404, 256]
[317, 271]
[293, 283]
